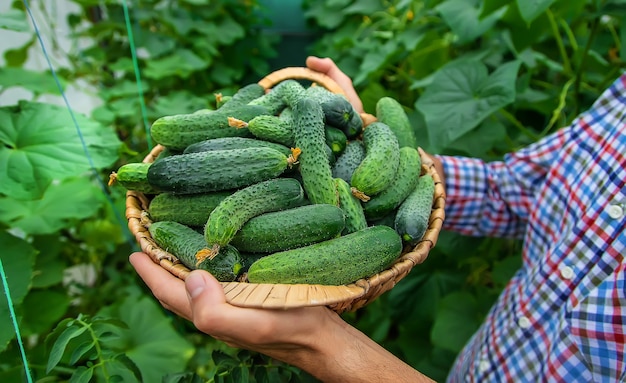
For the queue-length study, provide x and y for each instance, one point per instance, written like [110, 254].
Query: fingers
[329, 68]
[167, 288]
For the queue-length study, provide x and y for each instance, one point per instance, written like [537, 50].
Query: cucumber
[315, 167]
[187, 209]
[288, 229]
[338, 112]
[244, 204]
[335, 139]
[349, 160]
[216, 170]
[382, 157]
[181, 130]
[243, 96]
[409, 170]
[319, 93]
[291, 91]
[184, 243]
[220, 100]
[414, 213]
[337, 261]
[225, 143]
[273, 129]
[351, 207]
[133, 176]
[272, 100]
[389, 111]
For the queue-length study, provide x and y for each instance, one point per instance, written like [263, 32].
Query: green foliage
[477, 78]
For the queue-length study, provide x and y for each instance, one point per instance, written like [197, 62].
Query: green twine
[133, 52]
[7, 292]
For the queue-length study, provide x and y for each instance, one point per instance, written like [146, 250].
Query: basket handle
[302, 73]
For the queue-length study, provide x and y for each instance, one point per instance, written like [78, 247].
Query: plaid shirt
[562, 317]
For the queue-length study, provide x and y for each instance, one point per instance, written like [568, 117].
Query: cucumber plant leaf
[462, 95]
[18, 260]
[39, 143]
[54, 211]
[181, 63]
[155, 347]
[36, 82]
[530, 10]
[448, 332]
[462, 16]
[14, 20]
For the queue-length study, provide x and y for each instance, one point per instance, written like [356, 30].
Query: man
[562, 317]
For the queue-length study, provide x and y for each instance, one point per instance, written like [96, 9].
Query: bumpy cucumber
[291, 91]
[409, 169]
[244, 204]
[133, 176]
[184, 243]
[244, 95]
[337, 261]
[187, 209]
[315, 167]
[216, 170]
[335, 139]
[414, 213]
[351, 206]
[319, 93]
[389, 111]
[273, 129]
[382, 157]
[181, 130]
[349, 160]
[225, 143]
[288, 229]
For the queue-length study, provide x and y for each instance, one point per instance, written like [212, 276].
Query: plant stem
[559, 42]
[511, 118]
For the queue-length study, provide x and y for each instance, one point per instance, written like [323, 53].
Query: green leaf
[449, 332]
[18, 259]
[504, 269]
[463, 17]
[150, 341]
[82, 375]
[531, 9]
[58, 348]
[480, 141]
[42, 309]
[182, 63]
[41, 143]
[54, 211]
[49, 269]
[14, 20]
[374, 60]
[179, 102]
[36, 82]
[228, 31]
[462, 95]
[81, 350]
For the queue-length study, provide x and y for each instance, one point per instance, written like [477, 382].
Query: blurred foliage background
[478, 78]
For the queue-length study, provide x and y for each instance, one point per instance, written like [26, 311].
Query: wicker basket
[282, 296]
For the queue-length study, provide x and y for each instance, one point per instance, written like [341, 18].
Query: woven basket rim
[282, 296]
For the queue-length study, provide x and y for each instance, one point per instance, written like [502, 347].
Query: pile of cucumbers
[285, 186]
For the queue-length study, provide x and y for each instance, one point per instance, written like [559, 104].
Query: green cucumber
[414, 213]
[181, 130]
[291, 91]
[315, 167]
[338, 112]
[187, 209]
[272, 100]
[216, 170]
[409, 169]
[133, 176]
[336, 139]
[351, 206]
[382, 157]
[184, 243]
[336, 261]
[225, 143]
[273, 129]
[389, 111]
[288, 229]
[349, 160]
[244, 204]
[243, 96]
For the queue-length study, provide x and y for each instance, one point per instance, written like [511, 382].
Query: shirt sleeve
[495, 199]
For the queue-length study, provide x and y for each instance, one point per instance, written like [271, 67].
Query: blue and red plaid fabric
[562, 317]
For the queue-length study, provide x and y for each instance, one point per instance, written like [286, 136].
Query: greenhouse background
[81, 311]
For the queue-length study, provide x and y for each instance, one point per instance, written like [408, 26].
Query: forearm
[347, 355]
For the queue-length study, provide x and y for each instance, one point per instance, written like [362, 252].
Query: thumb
[203, 287]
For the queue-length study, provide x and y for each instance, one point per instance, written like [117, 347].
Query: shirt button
[523, 322]
[567, 272]
[616, 211]
[483, 366]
